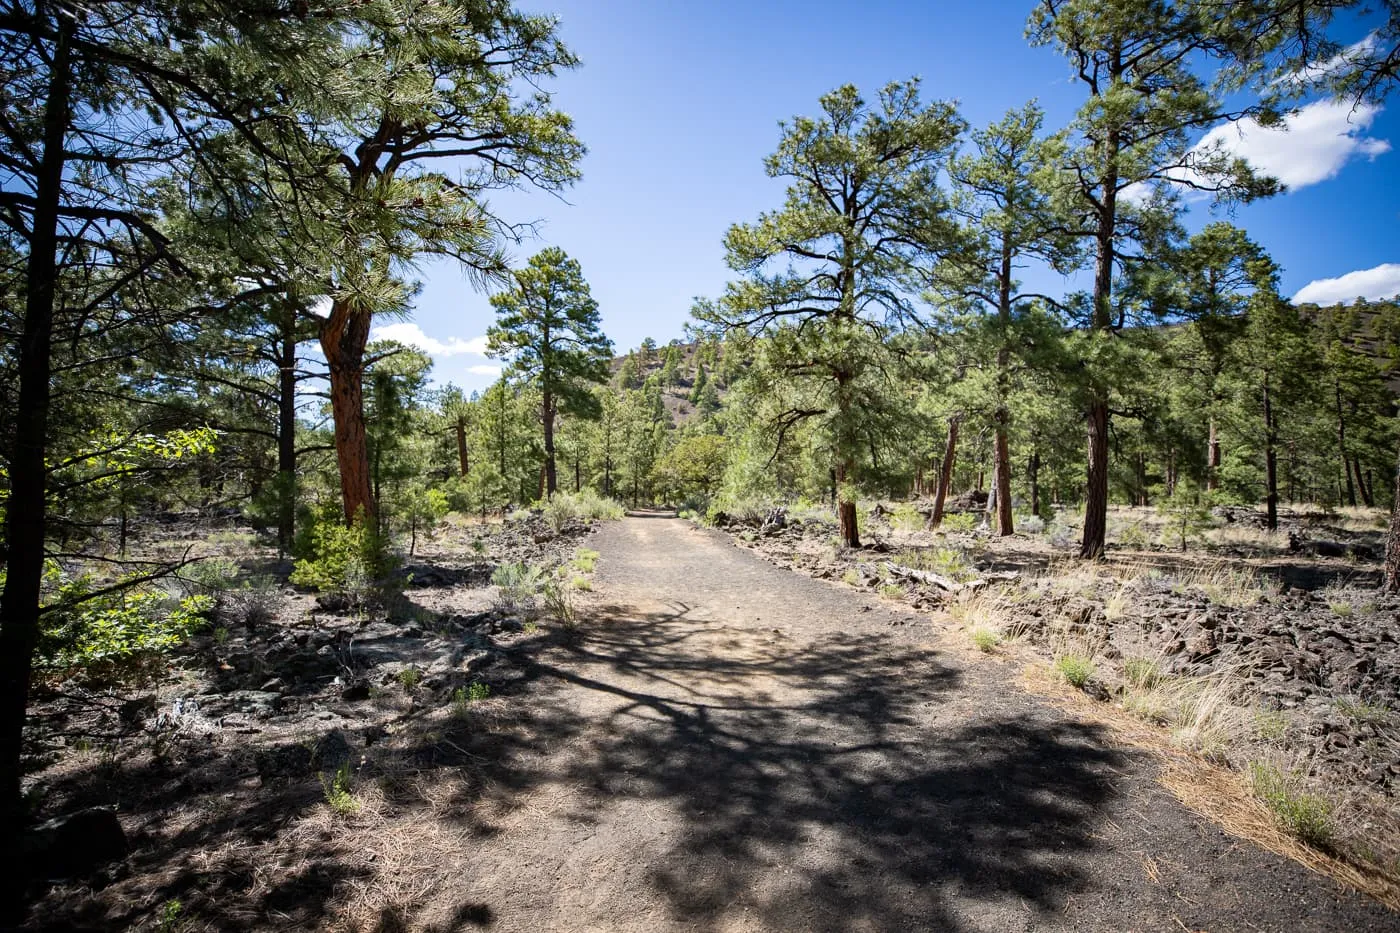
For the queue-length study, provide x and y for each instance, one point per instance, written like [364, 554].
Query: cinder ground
[741, 748]
[721, 745]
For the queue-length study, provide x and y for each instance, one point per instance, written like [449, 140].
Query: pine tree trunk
[287, 435]
[25, 524]
[1096, 490]
[1033, 475]
[1001, 445]
[1092, 544]
[1001, 471]
[343, 338]
[945, 472]
[1270, 459]
[1342, 445]
[846, 511]
[551, 477]
[1213, 457]
[464, 463]
[1392, 539]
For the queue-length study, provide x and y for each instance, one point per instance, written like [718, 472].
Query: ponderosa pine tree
[1219, 271]
[85, 85]
[1135, 59]
[548, 328]
[423, 88]
[1006, 192]
[828, 274]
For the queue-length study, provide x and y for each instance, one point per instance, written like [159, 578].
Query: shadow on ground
[826, 785]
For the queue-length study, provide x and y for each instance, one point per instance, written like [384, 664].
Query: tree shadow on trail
[830, 785]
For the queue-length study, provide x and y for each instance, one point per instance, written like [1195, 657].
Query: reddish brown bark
[846, 512]
[343, 337]
[1096, 490]
[945, 472]
[1001, 472]
[464, 463]
[1392, 539]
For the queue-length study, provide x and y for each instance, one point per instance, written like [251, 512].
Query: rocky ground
[283, 689]
[713, 744]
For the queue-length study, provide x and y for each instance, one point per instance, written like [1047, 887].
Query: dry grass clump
[1226, 586]
[1247, 538]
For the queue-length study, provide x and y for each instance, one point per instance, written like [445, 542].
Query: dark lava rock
[75, 845]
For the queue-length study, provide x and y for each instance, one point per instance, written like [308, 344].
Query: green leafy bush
[111, 632]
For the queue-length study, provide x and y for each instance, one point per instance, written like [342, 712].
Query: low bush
[1077, 669]
[565, 508]
[518, 587]
[111, 634]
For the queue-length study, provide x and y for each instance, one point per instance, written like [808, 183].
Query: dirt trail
[731, 746]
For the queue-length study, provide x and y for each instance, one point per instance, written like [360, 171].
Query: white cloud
[409, 333]
[1376, 284]
[1311, 146]
[484, 370]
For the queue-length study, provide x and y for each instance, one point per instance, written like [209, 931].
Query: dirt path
[735, 747]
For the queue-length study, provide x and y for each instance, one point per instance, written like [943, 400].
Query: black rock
[359, 690]
[74, 845]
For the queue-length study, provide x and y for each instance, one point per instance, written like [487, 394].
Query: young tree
[827, 275]
[1135, 59]
[548, 328]
[1219, 271]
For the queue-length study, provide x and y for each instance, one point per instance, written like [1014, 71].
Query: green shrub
[985, 639]
[338, 793]
[1306, 817]
[1075, 668]
[518, 587]
[410, 678]
[907, 517]
[558, 600]
[563, 508]
[344, 559]
[959, 522]
[585, 560]
[111, 633]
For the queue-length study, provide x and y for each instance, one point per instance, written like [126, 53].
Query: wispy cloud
[1349, 57]
[1376, 284]
[407, 332]
[484, 370]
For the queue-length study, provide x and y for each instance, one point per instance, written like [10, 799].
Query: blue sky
[679, 104]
